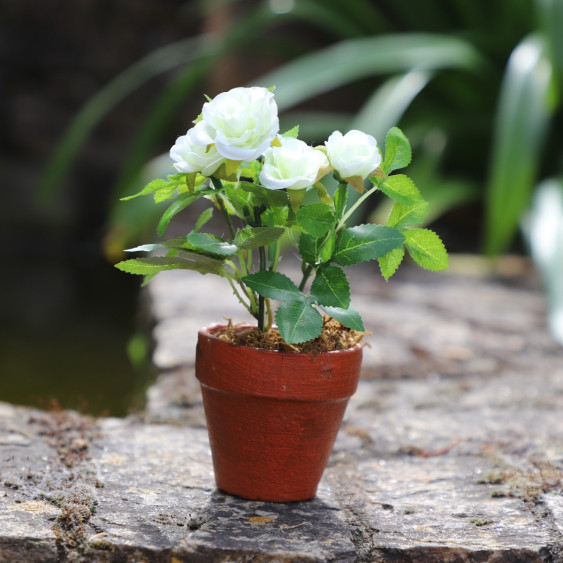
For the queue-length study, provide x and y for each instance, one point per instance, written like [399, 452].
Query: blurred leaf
[107, 98]
[350, 60]
[550, 14]
[545, 231]
[519, 131]
[316, 125]
[388, 103]
[190, 79]
[322, 15]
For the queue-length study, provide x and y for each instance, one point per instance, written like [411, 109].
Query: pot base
[268, 449]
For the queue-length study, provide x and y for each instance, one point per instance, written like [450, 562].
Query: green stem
[239, 296]
[263, 264]
[349, 212]
[276, 260]
[270, 314]
[306, 275]
[219, 187]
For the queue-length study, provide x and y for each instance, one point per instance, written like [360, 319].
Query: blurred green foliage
[475, 85]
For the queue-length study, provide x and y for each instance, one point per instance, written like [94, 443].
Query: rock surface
[451, 450]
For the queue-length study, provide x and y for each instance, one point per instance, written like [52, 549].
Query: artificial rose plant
[257, 178]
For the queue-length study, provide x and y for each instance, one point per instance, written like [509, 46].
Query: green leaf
[316, 218]
[183, 261]
[293, 132]
[211, 244]
[150, 188]
[166, 193]
[181, 203]
[201, 263]
[296, 198]
[146, 248]
[254, 237]
[178, 243]
[309, 248]
[298, 321]
[241, 200]
[365, 242]
[407, 215]
[398, 152]
[388, 263]
[326, 249]
[273, 285]
[271, 198]
[331, 287]
[323, 194]
[348, 317]
[426, 249]
[401, 189]
[163, 189]
[203, 218]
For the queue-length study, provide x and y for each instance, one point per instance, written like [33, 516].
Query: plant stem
[276, 259]
[270, 314]
[262, 252]
[306, 274]
[239, 296]
[219, 186]
[349, 212]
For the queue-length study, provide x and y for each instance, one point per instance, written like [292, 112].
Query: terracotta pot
[272, 416]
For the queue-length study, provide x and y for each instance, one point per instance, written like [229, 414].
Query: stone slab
[142, 492]
[451, 450]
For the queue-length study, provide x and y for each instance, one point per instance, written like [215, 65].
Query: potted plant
[275, 393]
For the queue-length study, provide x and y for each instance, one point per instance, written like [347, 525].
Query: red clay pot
[272, 416]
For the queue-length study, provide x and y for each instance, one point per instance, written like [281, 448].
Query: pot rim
[209, 329]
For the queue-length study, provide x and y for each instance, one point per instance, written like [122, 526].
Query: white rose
[294, 165]
[353, 154]
[241, 123]
[190, 157]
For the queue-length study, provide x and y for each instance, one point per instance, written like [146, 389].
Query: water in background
[65, 333]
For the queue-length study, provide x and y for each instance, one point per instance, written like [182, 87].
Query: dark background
[68, 318]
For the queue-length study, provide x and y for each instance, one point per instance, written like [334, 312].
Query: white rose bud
[241, 123]
[353, 154]
[190, 157]
[294, 165]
